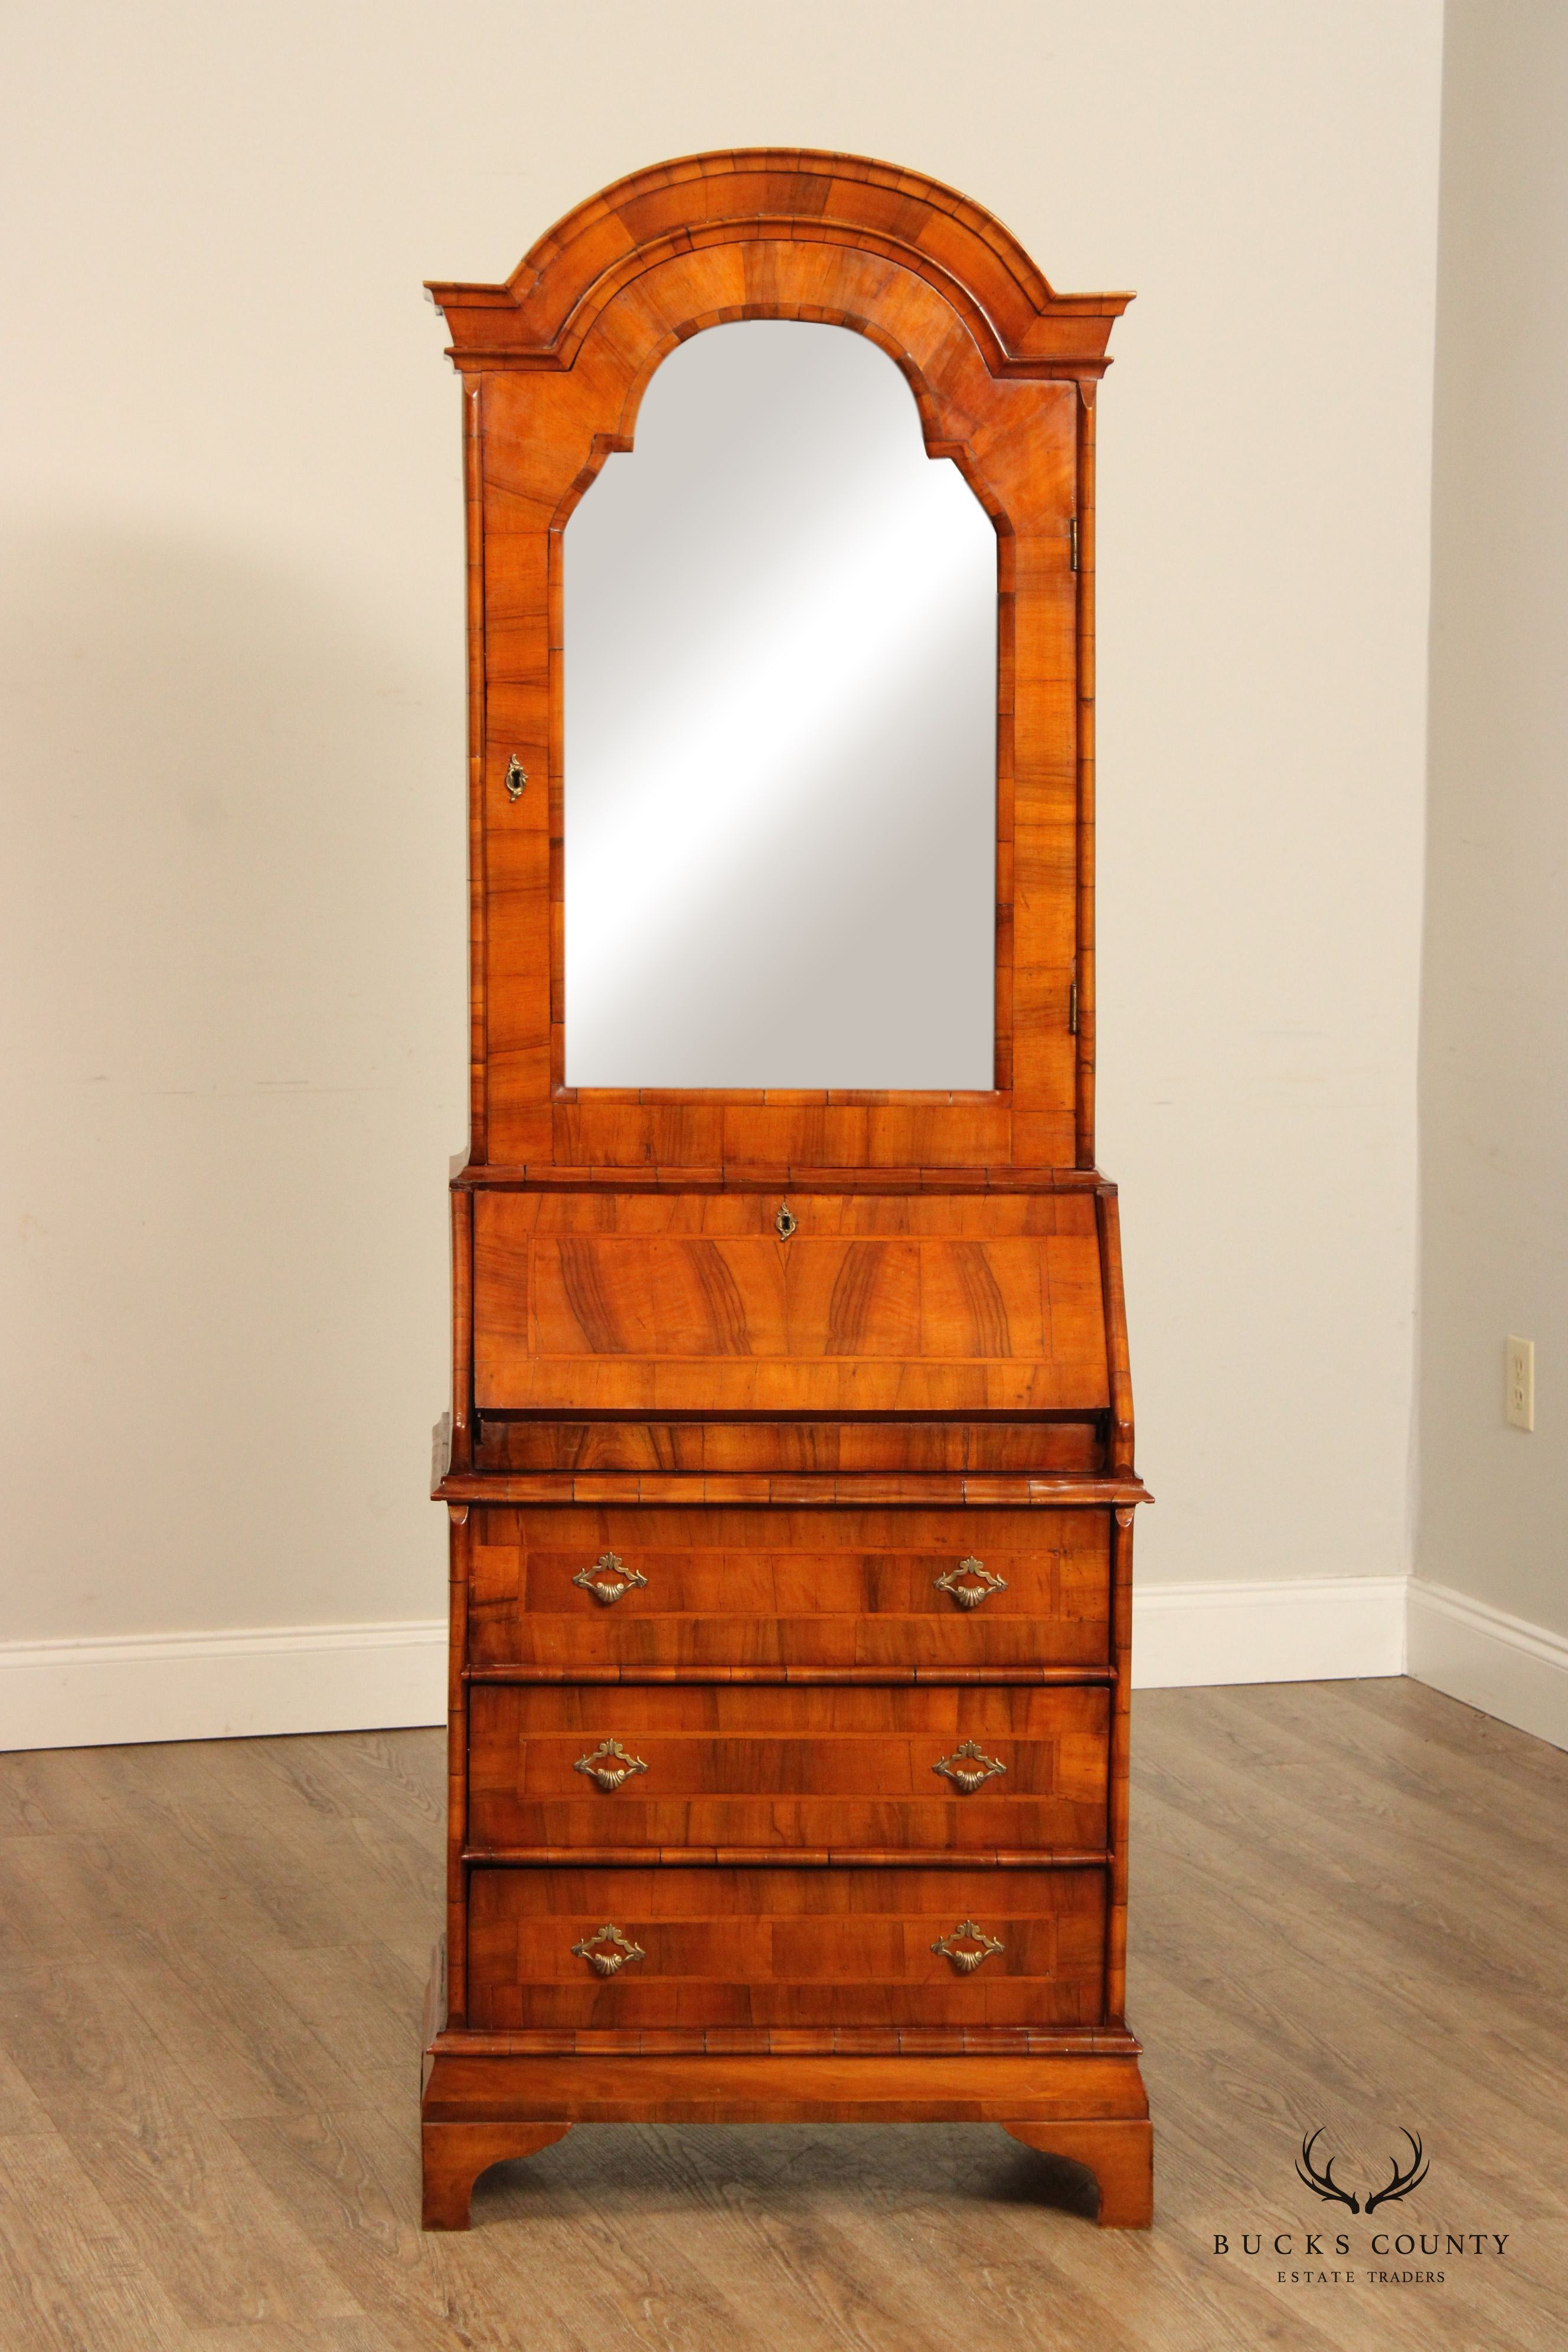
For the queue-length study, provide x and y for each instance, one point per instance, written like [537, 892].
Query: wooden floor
[1350, 1909]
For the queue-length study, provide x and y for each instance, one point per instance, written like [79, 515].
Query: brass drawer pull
[966, 1768]
[616, 1579]
[606, 1962]
[967, 1947]
[971, 1594]
[610, 1764]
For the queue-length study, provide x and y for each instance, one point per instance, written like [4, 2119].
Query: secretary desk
[790, 1466]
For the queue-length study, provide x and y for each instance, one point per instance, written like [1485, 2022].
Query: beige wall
[1495, 1011]
[232, 663]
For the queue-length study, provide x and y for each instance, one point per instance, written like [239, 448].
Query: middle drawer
[869, 1766]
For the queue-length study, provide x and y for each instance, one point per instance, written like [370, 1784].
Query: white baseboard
[1502, 1665]
[131, 1688]
[1267, 1630]
[126, 1690]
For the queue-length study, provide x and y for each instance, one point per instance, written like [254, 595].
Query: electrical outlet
[1519, 1383]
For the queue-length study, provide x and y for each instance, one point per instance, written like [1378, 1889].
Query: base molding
[652, 2087]
[1267, 1630]
[481, 2109]
[1118, 2152]
[1502, 1665]
[786, 2042]
[242, 1683]
[236, 1684]
[219, 1685]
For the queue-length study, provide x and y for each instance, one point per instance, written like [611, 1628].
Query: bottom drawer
[779, 1947]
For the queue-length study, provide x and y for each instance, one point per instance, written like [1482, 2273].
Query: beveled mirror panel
[780, 734]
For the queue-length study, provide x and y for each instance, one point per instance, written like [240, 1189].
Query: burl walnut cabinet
[790, 1477]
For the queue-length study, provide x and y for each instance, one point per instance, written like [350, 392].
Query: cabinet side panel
[461, 1539]
[462, 1328]
[1084, 967]
[1120, 1726]
[1118, 1373]
[474, 519]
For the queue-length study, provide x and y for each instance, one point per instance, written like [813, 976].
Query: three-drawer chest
[790, 1470]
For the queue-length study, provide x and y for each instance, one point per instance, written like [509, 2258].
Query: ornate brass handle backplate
[607, 1950]
[967, 1947]
[970, 1583]
[615, 1578]
[610, 1764]
[966, 1768]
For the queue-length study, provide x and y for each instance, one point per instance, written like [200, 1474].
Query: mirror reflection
[780, 756]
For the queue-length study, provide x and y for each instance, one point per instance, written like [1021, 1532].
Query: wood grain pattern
[1084, 962]
[562, 354]
[694, 1303]
[790, 2042]
[1051, 1490]
[456, 2154]
[784, 1947]
[777, 1769]
[1017, 1446]
[791, 1177]
[479, 886]
[1120, 2154]
[791, 1442]
[448, 1991]
[809, 1589]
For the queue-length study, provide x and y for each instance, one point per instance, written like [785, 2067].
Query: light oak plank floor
[1350, 1910]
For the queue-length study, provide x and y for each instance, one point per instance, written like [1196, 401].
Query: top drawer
[694, 1302]
[581, 1590]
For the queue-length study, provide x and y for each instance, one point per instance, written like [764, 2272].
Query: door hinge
[1072, 542]
[1072, 1010]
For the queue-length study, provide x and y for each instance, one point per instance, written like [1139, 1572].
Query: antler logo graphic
[1323, 2184]
[1402, 2182]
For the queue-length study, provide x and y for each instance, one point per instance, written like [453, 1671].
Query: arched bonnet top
[753, 195]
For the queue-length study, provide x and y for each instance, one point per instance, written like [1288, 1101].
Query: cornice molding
[539, 318]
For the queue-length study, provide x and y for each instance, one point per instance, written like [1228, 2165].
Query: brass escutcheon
[515, 778]
[609, 1764]
[968, 1766]
[966, 1956]
[620, 1950]
[616, 1579]
[980, 1584]
[785, 1222]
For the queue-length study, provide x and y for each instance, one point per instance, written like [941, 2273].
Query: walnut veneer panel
[791, 1442]
[1003, 372]
[1020, 1447]
[542, 425]
[779, 1588]
[727, 1766]
[629, 1303]
[780, 1947]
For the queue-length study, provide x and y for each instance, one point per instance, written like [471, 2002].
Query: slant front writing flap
[740, 1302]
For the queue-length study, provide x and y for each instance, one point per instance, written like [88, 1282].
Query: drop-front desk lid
[775, 1302]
